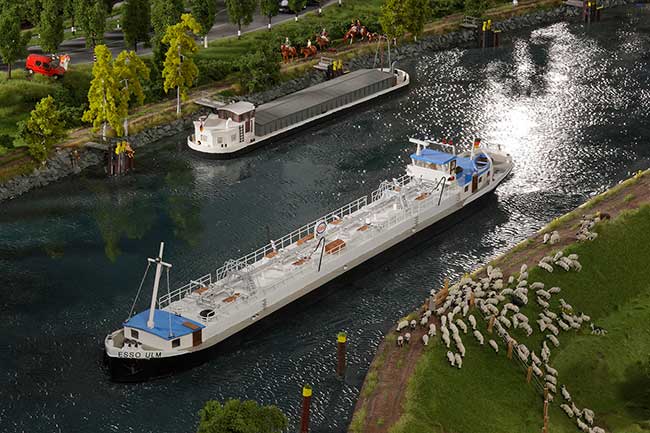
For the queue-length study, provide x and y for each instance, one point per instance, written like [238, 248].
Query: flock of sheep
[501, 302]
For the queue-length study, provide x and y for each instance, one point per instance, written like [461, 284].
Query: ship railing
[389, 186]
[274, 246]
[178, 294]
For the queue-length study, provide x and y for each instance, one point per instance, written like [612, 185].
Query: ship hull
[138, 370]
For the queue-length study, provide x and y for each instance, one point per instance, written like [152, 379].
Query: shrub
[213, 69]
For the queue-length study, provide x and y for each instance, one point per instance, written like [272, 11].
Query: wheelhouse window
[466, 188]
[135, 334]
[176, 342]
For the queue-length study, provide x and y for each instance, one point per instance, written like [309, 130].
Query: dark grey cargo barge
[240, 127]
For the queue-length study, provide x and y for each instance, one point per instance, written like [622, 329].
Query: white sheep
[563, 265]
[551, 370]
[542, 325]
[457, 340]
[537, 285]
[461, 349]
[555, 237]
[425, 339]
[432, 330]
[550, 387]
[400, 341]
[553, 329]
[451, 358]
[565, 393]
[522, 283]
[454, 328]
[545, 266]
[567, 409]
[492, 309]
[550, 314]
[446, 340]
[443, 321]
[582, 426]
[575, 409]
[424, 321]
[589, 416]
[563, 325]
[522, 276]
[573, 257]
[456, 310]
[546, 259]
[511, 279]
[535, 358]
[542, 302]
[537, 370]
[547, 237]
[401, 325]
[584, 317]
[494, 345]
[597, 429]
[413, 324]
[523, 354]
[550, 378]
[407, 338]
[461, 325]
[512, 307]
[543, 294]
[554, 290]
[505, 321]
[427, 314]
[472, 321]
[459, 360]
[478, 336]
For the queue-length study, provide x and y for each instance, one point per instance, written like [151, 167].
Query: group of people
[119, 159]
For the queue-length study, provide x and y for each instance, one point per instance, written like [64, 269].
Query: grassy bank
[609, 374]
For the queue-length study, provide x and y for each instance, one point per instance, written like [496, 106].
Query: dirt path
[393, 366]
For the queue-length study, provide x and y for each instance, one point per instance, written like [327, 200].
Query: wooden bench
[470, 22]
[334, 246]
[324, 63]
[304, 239]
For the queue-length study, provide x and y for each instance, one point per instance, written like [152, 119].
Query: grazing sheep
[507, 292]
[597, 330]
[537, 370]
[567, 409]
[459, 360]
[550, 378]
[553, 329]
[407, 338]
[522, 283]
[454, 328]
[505, 321]
[523, 353]
[523, 268]
[550, 387]
[550, 314]
[425, 339]
[565, 394]
[543, 294]
[478, 336]
[492, 309]
[432, 330]
[461, 349]
[400, 341]
[563, 325]
[511, 279]
[546, 238]
[542, 302]
[542, 325]
[573, 257]
[554, 290]
[427, 314]
[521, 317]
[465, 309]
[512, 307]
[584, 317]
[589, 416]
[451, 358]
[535, 359]
[413, 324]
[563, 266]
[492, 301]
[461, 325]
[576, 265]
[446, 340]
[472, 321]
[443, 321]
[424, 321]
[575, 409]
[456, 310]
[494, 345]
[545, 266]
[551, 370]
[401, 325]
[522, 276]
[582, 426]
[555, 237]
[597, 429]
[546, 259]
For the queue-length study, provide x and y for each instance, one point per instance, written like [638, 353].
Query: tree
[104, 95]
[240, 12]
[392, 18]
[297, 6]
[164, 13]
[91, 15]
[13, 44]
[269, 8]
[261, 69]
[416, 13]
[69, 12]
[240, 417]
[43, 129]
[179, 70]
[136, 21]
[51, 27]
[205, 12]
[475, 8]
[130, 72]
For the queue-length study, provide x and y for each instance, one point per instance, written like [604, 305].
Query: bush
[260, 70]
[213, 69]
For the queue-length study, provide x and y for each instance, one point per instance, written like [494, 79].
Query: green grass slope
[608, 374]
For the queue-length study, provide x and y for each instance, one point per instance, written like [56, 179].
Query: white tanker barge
[182, 324]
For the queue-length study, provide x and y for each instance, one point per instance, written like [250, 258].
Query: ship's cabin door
[474, 183]
[197, 337]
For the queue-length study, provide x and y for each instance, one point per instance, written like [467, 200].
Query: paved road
[114, 40]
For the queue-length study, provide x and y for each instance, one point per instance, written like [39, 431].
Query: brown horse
[322, 42]
[309, 51]
[354, 32]
[288, 53]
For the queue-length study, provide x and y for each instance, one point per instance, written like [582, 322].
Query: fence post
[529, 374]
[510, 349]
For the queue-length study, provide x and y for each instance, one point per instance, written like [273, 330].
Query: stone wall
[59, 166]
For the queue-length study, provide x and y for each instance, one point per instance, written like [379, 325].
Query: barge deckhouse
[181, 324]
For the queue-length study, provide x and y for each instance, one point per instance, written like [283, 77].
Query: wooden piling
[341, 340]
[529, 374]
[510, 345]
[306, 403]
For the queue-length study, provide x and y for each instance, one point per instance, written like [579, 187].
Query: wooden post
[341, 339]
[510, 345]
[491, 324]
[306, 402]
[545, 410]
[471, 300]
[529, 374]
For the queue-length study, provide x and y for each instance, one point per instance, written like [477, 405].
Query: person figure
[287, 43]
[324, 35]
[515, 3]
[309, 43]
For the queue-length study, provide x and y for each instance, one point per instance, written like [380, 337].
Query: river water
[570, 103]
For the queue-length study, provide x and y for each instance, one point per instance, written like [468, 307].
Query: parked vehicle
[50, 66]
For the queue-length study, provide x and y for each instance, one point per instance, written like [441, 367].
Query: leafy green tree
[43, 129]
[130, 72]
[241, 12]
[136, 21]
[241, 417]
[260, 70]
[104, 95]
[91, 15]
[13, 44]
[51, 26]
[416, 14]
[205, 12]
[392, 18]
[69, 11]
[31, 10]
[269, 8]
[297, 6]
[475, 8]
[164, 13]
[179, 70]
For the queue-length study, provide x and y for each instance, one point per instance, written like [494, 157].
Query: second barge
[240, 127]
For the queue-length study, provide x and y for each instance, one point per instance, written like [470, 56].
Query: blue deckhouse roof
[434, 156]
[179, 324]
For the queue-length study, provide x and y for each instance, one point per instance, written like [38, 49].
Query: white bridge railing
[178, 294]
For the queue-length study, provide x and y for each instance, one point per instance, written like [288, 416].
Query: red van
[51, 66]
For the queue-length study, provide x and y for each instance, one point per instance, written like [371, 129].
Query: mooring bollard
[341, 339]
[306, 402]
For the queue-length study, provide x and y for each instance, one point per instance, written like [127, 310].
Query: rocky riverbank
[60, 165]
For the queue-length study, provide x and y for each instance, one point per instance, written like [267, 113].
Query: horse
[309, 51]
[322, 42]
[353, 32]
[288, 53]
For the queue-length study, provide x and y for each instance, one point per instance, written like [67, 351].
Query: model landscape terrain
[324, 216]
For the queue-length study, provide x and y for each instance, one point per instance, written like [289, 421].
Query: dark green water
[569, 103]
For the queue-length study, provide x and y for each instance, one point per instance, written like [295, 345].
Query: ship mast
[159, 264]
